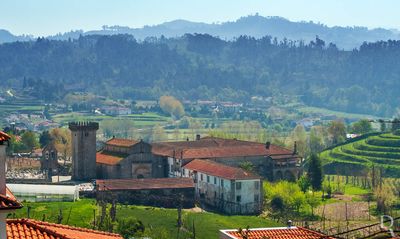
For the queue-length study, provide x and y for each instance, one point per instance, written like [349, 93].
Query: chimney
[295, 148]
[289, 223]
[267, 144]
[197, 136]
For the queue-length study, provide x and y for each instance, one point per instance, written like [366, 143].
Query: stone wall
[168, 198]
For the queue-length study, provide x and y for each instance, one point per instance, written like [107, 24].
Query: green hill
[357, 156]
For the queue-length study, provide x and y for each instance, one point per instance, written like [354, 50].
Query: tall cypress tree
[315, 172]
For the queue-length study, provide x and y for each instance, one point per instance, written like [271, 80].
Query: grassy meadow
[80, 213]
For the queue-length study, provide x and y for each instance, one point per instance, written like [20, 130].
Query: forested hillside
[200, 66]
[253, 25]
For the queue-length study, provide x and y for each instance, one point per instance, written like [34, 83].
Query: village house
[116, 110]
[235, 191]
[270, 161]
[126, 158]
[228, 189]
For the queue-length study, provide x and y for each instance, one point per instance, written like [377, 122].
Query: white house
[115, 110]
[229, 189]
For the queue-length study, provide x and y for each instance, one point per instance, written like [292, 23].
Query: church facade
[125, 158]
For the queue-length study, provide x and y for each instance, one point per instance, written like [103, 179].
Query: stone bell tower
[83, 135]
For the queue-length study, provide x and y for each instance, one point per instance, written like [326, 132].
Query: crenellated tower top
[83, 125]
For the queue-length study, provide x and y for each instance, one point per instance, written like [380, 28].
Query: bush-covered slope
[355, 158]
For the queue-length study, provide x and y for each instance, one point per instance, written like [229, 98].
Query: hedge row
[364, 146]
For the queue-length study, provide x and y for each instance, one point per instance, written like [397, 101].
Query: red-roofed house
[228, 189]
[270, 161]
[273, 233]
[126, 158]
[28, 228]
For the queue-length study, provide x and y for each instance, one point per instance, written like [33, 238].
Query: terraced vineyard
[357, 157]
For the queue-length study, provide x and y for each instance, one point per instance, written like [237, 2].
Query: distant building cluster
[223, 174]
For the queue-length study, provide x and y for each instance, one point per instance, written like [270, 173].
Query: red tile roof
[4, 136]
[144, 183]
[210, 147]
[8, 201]
[219, 170]
[10, 194]
[27, 228]
[109, 158]
[122, 142]
[276, 233]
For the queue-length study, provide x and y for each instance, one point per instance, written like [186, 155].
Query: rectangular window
[201, 177]
[222, 196]
[238, 199]
[238, 185]
[256, 198]
[256, 185]
[170, 168]
[222, 182]
[208, 179]
[215, 180]
[184, 172]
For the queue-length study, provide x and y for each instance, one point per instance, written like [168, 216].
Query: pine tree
[315, 172]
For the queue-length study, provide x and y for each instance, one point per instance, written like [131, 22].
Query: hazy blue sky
[44, 17]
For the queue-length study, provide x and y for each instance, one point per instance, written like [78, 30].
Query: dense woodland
[365, 80]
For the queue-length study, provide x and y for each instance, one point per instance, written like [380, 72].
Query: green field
[382, 151]
[207, 225]
[340, 114]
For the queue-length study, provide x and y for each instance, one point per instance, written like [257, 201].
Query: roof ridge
[236, 172]
[63, 226]
[14, 203]
[31, 223]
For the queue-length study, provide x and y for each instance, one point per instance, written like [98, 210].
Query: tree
[284, 198]
[247, 165]
[395, 124]
[314, 173]
[172, 106]
[382, 125]
[312, 201]
[299, 135]
[277, 206]
[317, 142]
[44, 138]
[337, 131]
[62, 141]
[361, 127]
[130, 227]
[304, 183]
[16, 145]
[384, 197]
[30, 141]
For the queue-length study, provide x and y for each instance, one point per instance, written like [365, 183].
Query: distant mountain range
[255, 25]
